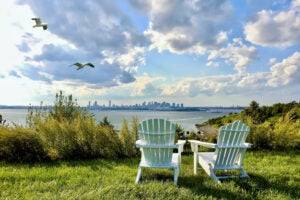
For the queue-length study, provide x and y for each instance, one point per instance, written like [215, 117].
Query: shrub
[260, 136]
[128, 138]
[69, 132]
[286, 135]
[21, 145]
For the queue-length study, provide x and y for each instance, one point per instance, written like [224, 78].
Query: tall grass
[69, 132]
[273, 175]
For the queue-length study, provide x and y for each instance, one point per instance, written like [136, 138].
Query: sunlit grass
[274, 175]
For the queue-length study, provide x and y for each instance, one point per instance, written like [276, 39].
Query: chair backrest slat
[230, 143]
[157, 132]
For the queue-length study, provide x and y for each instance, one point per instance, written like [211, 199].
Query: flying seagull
[39, 23]
[80, 65]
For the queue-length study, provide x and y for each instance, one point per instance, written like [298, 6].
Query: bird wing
[45, 26]
[37, 21]
[80, 65]
[89, 64]
[77, 64]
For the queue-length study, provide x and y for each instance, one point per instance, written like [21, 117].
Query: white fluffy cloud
[236, 53]
[286, 72]
[189, 26]
[278, 29]
[281, 74]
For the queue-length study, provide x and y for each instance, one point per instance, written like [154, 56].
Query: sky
[195, 52]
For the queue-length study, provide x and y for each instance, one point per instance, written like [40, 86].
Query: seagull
[80, 65]
[39, 23]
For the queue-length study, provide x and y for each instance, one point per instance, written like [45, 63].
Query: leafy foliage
[69, 132]
[128, 138]
[21, 145]
[274, 127]
[106, 122]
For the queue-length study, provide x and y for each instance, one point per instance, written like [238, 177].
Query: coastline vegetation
[67, 132]
[275, 127]
[63, 153]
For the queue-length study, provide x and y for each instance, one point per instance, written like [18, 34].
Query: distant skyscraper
[109, 104]
[95, 104]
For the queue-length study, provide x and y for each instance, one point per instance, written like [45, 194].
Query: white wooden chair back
[231, 146]
[158, 135]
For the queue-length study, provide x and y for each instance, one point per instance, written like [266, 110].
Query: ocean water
[186, 119]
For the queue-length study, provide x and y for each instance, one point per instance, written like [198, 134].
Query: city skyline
[143, 104]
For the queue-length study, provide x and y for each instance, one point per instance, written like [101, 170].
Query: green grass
[274, 175]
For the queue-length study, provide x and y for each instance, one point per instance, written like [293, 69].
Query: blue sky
[195, 52]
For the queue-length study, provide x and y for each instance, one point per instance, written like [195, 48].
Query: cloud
[277, 29]
[51, 53]
[186, 26]
[90, 25]
[272, 61]
[124, 77]
[128, 61]
[85, 31]
[14, 73]
[286, 72]
[236, 53]
[212, 64]
[282, 74]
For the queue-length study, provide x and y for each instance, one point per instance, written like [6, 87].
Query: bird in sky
[39, 23]
[82, 65]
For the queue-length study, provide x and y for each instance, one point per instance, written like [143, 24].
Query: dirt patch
[207, 129]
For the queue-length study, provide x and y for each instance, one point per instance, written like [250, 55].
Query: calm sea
[186, 119]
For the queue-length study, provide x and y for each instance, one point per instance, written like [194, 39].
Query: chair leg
[244, 173]
[213, 176]
[175, 175]
[138, 175]
[195, 162]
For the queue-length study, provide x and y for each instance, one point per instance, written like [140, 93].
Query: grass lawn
[274, 175]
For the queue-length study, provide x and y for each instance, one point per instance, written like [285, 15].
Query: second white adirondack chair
[229, 151]
[156, 142]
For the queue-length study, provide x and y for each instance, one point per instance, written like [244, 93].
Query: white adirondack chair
[229, 151]
[156, 142]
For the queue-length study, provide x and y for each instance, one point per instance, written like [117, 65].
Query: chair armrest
[205, 144]
[248, 145]
[142, 144]
[180, 144]
[196, 143]
[138, 142]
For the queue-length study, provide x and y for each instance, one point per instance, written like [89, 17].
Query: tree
[105, 122]
[254, 112]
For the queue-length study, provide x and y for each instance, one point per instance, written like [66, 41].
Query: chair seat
[174, 164]
[229, 151]
[207, 157]
[156, 142]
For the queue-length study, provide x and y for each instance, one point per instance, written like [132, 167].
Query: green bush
[260, 137]
[69, 132]
[286, 135]
[128, 138]
[81, 138]
[21, 145]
